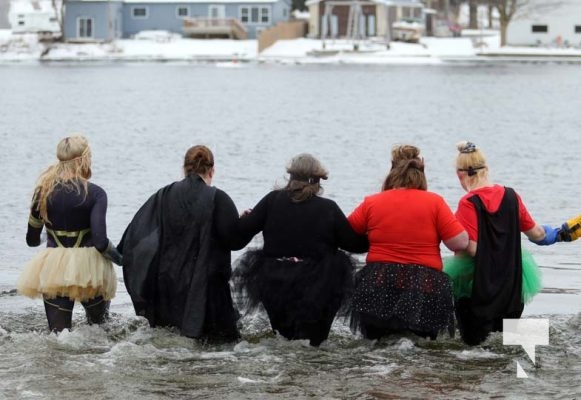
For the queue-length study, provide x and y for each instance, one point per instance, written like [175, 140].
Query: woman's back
[71, 210]
[310, 228]
[299, 229]
[405, 226]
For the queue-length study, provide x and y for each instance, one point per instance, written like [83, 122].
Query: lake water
[140, 119]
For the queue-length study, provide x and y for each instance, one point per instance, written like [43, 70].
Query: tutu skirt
[395, 298]
[300, 296]
[461, 272]
[80, 274]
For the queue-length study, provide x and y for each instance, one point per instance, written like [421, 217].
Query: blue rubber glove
[551, 236]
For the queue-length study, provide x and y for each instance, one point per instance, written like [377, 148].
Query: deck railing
[231, 27]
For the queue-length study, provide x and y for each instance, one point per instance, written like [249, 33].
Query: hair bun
[466, 147]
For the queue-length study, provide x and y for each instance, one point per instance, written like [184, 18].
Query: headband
[471, 171]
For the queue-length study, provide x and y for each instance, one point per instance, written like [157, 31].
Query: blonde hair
[407, 169]
[471, 160]
[305, 174]
[72, 170]
[198, 160]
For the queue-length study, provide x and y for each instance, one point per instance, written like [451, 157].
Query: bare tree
[506, 12]
[59, 11]
[473, 14]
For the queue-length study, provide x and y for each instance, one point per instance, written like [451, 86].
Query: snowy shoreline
[476, 47]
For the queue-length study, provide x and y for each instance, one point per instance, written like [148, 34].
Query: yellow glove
[571, 230]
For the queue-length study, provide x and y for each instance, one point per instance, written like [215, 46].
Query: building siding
[162, 16]
[561, 18]
[106, 16]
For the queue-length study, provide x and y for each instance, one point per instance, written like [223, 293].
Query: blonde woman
[499, 277]
[76, 264]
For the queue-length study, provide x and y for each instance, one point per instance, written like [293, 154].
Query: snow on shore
[164, 46]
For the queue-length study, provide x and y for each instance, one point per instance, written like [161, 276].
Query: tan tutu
[80, 273]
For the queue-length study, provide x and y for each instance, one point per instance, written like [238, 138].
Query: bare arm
[458, 242]
[536, 234]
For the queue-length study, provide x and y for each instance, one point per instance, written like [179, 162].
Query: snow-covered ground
[163, 46]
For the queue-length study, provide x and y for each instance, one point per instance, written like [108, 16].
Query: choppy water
[140, 119]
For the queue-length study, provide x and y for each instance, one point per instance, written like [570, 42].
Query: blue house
[103, 20]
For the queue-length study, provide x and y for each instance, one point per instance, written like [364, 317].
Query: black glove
[111, 253]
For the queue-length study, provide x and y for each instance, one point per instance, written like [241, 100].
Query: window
[577, 28]
[182, 11]
[85, 27]
[139, 12]
[255, 15]
[244, 15]
[540, 28]
[264, 15]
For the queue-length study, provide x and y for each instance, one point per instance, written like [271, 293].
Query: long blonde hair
[72, 170]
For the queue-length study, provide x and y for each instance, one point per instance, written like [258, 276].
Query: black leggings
[59, 311]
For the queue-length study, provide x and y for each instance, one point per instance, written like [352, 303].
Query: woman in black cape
[176, 254]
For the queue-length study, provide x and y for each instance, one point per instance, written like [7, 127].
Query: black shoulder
[96, 190]
[221, 198]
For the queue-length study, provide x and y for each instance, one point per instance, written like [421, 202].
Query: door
[217, 11]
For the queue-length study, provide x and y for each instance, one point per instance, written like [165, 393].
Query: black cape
[174, 271]
[497, 287]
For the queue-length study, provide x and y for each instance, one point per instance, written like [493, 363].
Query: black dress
[497, 287]
[300, 276]
[177, 263]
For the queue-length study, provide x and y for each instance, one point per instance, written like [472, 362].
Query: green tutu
[460, 269]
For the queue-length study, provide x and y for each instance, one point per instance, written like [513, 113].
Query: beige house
[361, 18]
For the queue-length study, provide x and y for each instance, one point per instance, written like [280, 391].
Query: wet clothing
[72, 267]
[491, 197]
[395, 298]
[497, 282]
[402, 287]
[177, 262]
[405, 226]
[60, 309]
[300, 276]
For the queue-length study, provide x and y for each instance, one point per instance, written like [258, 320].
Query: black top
[311, 228]
[71, 211]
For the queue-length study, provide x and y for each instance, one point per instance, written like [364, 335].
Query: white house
[33, 16]
[546, 23]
